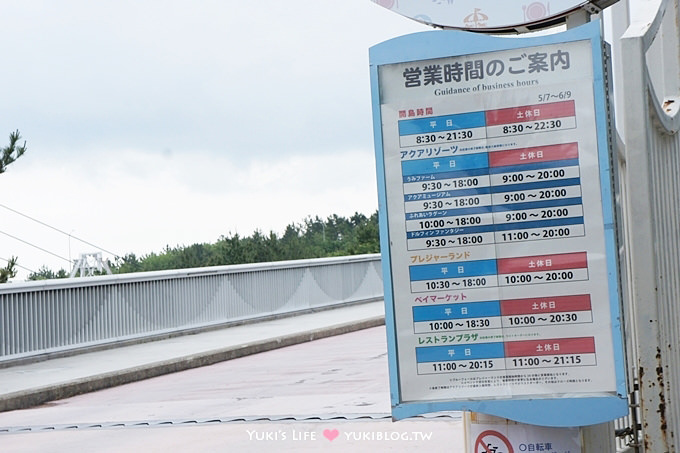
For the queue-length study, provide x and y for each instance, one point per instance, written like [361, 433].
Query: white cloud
[135, 201]
[174, 122]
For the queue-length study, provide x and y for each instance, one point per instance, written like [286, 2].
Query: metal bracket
[632, 433]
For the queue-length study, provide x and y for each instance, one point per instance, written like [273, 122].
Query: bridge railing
[56, 316]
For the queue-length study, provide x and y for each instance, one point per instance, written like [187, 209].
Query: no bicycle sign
[491, 441]
[487, 434]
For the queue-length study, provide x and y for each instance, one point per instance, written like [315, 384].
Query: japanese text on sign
[495, 225]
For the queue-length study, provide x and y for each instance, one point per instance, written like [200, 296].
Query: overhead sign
[492, 15]
[497, 226]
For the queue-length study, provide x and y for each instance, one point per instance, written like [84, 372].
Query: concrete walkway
[29, 385]
[328, 395]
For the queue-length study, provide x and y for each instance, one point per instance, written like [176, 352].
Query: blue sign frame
[560, 411]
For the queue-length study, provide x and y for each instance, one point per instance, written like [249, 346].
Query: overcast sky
[153, 123]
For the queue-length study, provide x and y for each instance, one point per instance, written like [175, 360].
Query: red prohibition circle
[480, 443]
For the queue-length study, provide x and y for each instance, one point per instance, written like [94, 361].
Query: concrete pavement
[330, 395]
[28, 385]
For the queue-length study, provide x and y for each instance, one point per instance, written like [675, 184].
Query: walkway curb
[40, 395]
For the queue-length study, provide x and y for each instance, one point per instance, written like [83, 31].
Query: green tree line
[313, 238]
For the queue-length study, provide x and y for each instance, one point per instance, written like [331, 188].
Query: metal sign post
[497, 228]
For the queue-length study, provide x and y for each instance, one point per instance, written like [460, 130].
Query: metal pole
[596, 438]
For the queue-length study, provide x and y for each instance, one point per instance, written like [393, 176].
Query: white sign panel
[499, 274]
[522, 15]
[485, 434]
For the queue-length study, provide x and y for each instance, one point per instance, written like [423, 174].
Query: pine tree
[8, 155]
[8, 271]
[12, 152]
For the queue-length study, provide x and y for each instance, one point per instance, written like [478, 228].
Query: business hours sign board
[497, 228]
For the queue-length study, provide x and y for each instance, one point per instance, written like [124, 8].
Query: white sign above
[492, 15]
